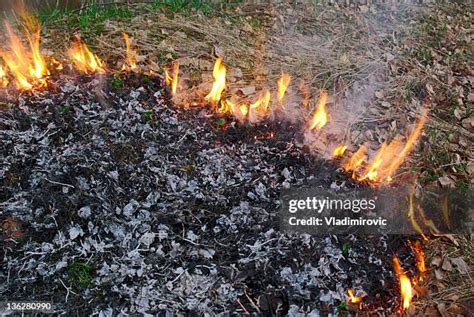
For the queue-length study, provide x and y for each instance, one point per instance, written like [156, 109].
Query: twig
[68, 289]
[58, 183]
[245, 310]
[251, 301]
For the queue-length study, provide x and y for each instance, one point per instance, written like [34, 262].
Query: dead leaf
[249, 90]
[452, 297]
[436, 261]
[470, 97]
[431, 311]
[458, 113]
[421, 291]
[180, 34]
[446, 181]
[442, 310]
[12, 228]
[459, 310]
[439, 275]
[468, 123]
[463, 141]
[461, 265]
[447, 264]
[219, 52]
[451, 79]
[470, 167]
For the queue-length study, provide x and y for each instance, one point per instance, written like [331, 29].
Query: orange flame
[226, 106]
[26, 64]
[419, 253]
[3, 77]
[406, 290]
[320, 117]
[84, 60]
[253, 112]
[244, 110]
[218, 86]
[390, 156]
[356, 160]
[353, 299]
[172, 81]
[383, 157]
[131, 53]
[260, 108]
[239, 111]
[56, 64]
[339, 151]
[283, 83]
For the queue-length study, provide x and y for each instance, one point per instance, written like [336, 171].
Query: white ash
[172, 214]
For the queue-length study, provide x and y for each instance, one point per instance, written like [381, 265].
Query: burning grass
[84, 60]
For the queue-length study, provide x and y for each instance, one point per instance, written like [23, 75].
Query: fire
[353, 299]
[131, 53]
[56, 64]
[419, 253]
[84, 60]
[260, 108]
[172, 81]
[406, 290]
[339, 151]
[389, 157]
[218, 86]
[356, 160]
[239, 111]
[254, 112]
[244, 110]
[383, 156]
[26, 64]
[283, 83]
[3, 77]
[226, 106]
[320, 117]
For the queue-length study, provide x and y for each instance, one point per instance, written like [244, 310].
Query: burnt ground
[116, 201]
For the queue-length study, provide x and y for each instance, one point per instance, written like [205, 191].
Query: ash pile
[114, 201]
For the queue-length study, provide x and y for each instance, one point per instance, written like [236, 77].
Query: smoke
[349, 58]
